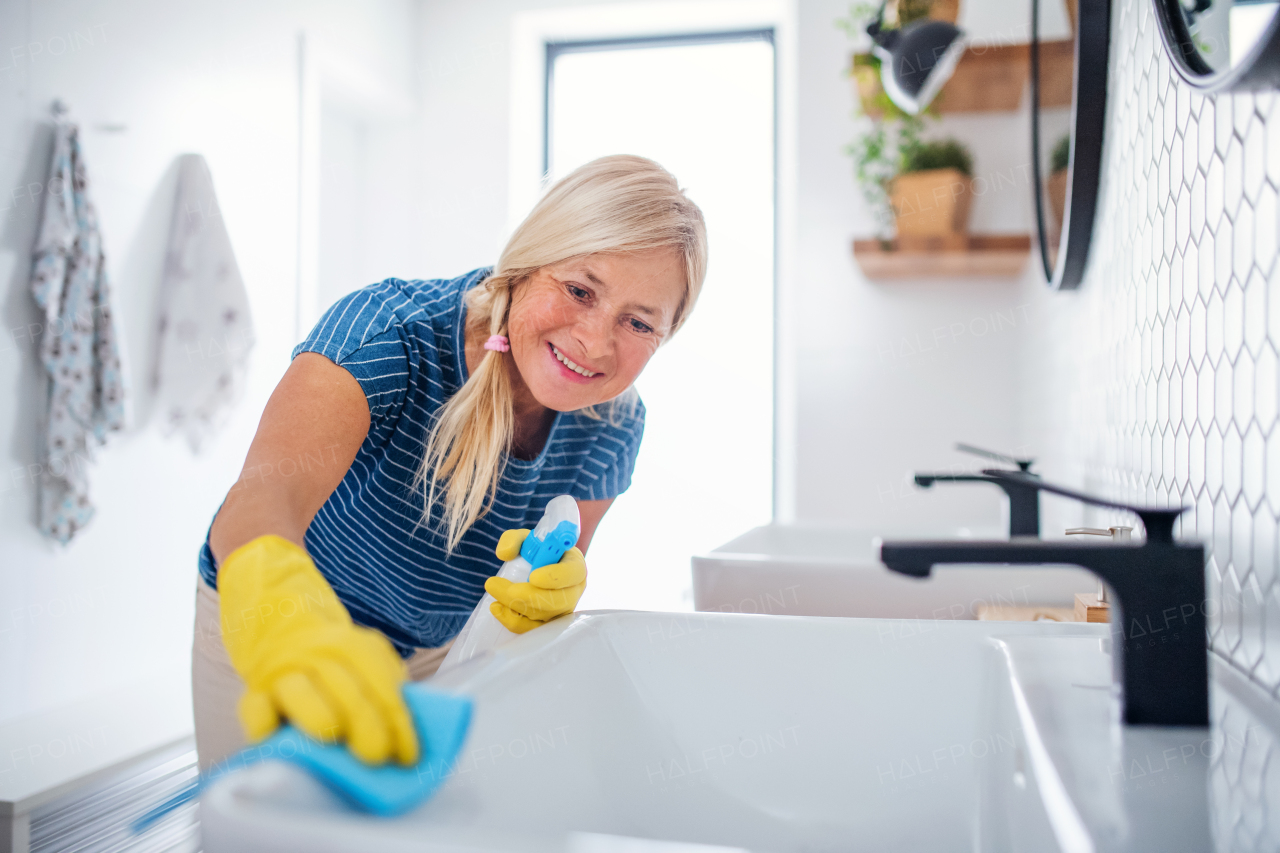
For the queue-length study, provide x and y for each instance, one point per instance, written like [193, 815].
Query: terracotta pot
[932, 203]
[1057, 186]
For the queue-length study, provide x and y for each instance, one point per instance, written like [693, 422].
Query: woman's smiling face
[583, 329]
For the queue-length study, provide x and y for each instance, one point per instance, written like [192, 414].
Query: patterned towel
[78, 349]
[205, 330]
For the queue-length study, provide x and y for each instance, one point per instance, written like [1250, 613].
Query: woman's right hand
[303, 659]
[313, 666]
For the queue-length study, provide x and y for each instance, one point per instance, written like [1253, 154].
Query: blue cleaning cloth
[441, 719]
[389, 789]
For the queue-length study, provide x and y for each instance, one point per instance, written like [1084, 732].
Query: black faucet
[1024, 501]
[1159, 654]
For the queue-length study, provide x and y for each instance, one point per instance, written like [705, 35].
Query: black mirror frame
[1088, 126]
[1260, 69]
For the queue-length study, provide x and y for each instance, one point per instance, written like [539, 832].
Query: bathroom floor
[96, 819]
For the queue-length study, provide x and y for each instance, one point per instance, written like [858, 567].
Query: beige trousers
[216, 687]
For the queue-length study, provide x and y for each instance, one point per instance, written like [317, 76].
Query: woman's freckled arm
[316, 420]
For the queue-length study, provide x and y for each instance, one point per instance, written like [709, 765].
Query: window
[703, 107]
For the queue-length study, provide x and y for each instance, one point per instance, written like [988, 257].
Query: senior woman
[424, 426]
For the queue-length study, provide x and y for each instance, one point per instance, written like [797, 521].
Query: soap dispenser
[1090, 606]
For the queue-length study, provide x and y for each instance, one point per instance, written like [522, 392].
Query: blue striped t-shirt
[403, 342]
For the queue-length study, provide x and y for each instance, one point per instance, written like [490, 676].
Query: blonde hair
[612, 205]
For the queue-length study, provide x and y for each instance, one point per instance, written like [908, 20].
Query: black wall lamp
[916, 60]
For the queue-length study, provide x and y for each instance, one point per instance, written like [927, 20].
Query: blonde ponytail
[611, 205]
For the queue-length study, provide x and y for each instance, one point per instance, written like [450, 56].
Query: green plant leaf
[1060, 156]
[920, 156]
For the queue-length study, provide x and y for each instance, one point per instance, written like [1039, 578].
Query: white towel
[205, 331]
[78, 348]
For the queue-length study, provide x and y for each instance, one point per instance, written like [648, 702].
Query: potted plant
[1059, 160]
[877, 156]
[931, 194]
[879, 151]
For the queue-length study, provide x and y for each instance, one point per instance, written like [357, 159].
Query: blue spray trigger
[543, 552]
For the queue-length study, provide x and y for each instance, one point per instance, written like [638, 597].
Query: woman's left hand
[551, 591]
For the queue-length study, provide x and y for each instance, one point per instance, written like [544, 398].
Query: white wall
[220, 79]
[223, 80]
[867, 413]
[892, 374]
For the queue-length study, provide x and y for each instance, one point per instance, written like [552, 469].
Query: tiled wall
[1159, 378]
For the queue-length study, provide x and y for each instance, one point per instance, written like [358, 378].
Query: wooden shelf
[988, 78]
[990, 255]
[993, 78]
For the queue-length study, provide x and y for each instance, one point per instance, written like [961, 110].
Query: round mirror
[1068, 117]
[1222, 44]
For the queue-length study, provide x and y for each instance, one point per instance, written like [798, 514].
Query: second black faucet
[1024, 501]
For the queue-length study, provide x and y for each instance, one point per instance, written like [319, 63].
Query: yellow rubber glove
[552, 590]
[301, 656]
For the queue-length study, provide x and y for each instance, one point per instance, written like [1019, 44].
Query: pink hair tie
[497, 343]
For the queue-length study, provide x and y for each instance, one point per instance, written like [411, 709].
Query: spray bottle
[556, 533]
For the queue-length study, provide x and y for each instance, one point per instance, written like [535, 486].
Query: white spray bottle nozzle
[559, 509]
[557, 531]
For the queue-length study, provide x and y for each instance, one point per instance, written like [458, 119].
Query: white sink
[830, 571]
[619, 730]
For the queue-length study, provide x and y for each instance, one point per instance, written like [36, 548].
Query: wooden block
[1090, 609]
[1006, 613]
